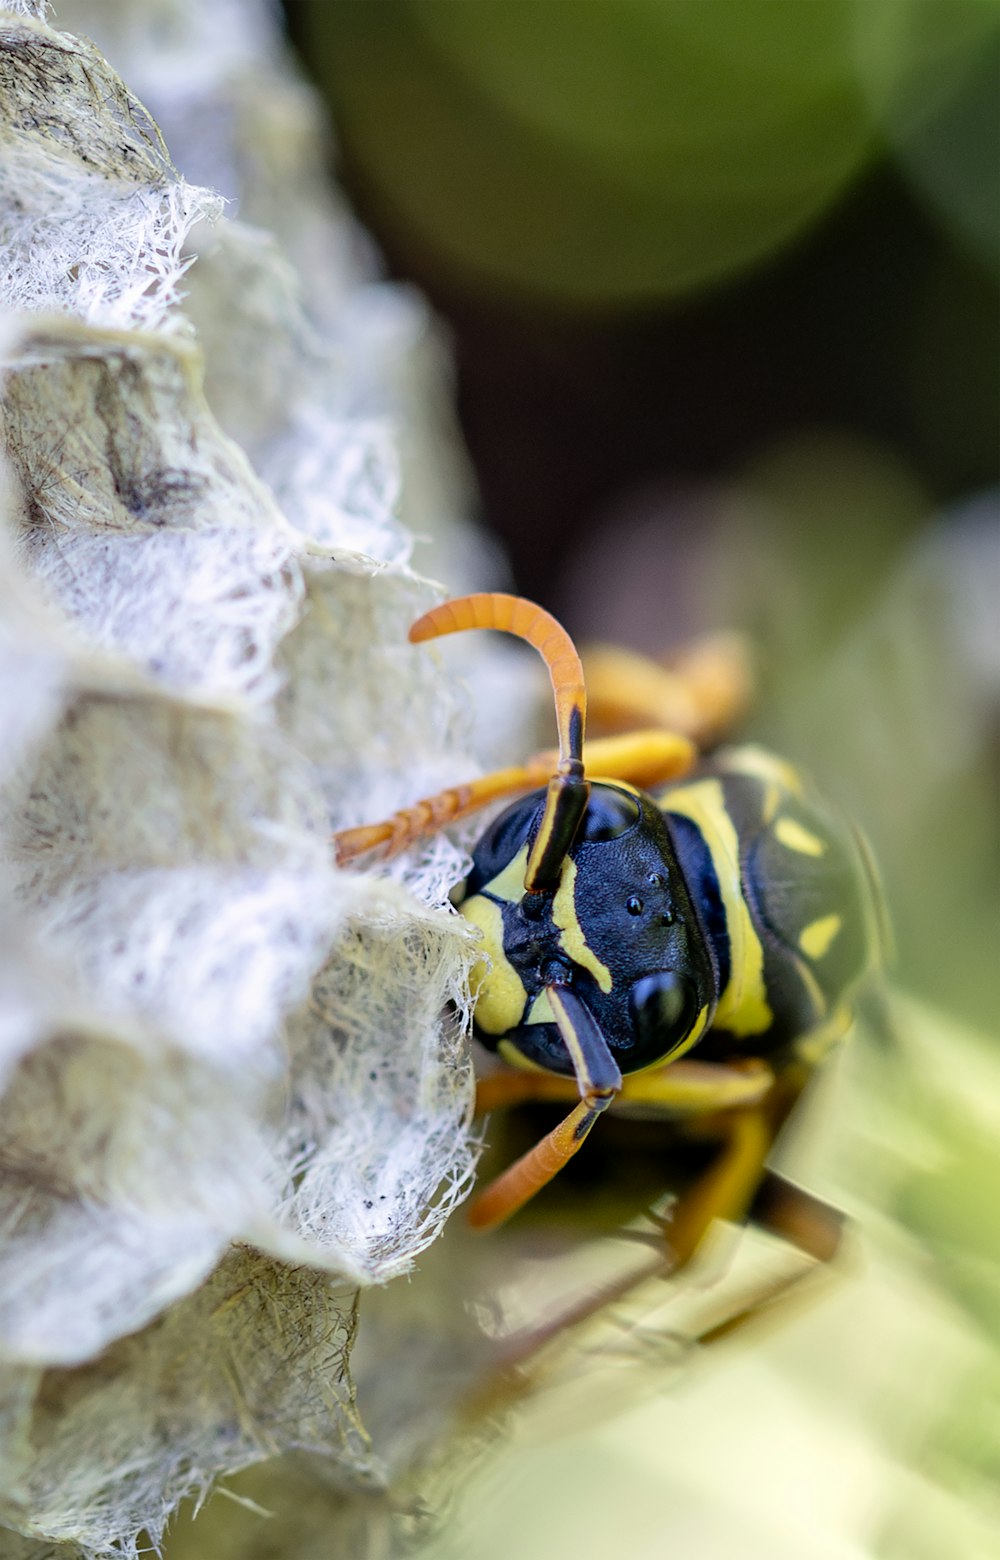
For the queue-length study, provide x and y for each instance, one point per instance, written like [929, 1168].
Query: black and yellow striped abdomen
[786, 896]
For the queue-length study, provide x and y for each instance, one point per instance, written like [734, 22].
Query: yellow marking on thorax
[778, 777]
[497, 989]
[743, 1007]
[794, 836]
[814, 1047]
[571, 937]
[815, 939]
[812, 985]
[760, 764]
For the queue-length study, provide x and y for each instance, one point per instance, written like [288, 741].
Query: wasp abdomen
[779, 883]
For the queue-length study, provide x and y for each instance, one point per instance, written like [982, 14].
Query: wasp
[660, 934]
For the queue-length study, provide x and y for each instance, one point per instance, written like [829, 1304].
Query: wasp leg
[434, 812]
[684, 1088]
[728, 1187]
[736, 1186]
[725, 1190]
[599, 1082]
[701, 692]
[739, 1188]
[501, 1090]
[783, 1209]
[742, 1106]
[642, 758]
[690, 1087]
[805, 1222]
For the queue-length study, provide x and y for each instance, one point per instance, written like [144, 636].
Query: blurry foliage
[878, 643]
[667, 236]
[877, 657]
[930, 67]
[627, 149]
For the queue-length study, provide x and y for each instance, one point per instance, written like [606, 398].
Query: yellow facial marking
[743, 1007]
[794, 837]
[571, 936]
[700, 1025]
[541, 1010]
[497, 989]
[509, 884]
[816, 938]
[545, 828]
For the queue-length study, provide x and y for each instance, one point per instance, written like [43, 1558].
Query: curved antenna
[566, 799]
[514, 615]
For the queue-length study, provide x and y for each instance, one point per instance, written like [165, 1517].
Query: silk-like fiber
[235, 1080]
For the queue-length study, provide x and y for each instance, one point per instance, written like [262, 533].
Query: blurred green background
[722, 284]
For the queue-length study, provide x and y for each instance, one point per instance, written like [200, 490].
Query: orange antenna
[568, 790]
[514, 615]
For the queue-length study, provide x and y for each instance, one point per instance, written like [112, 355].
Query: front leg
[643, 758]
[432, 813]
[683, 1089]
[599, 1083]
[686, 1089]
[741, 1107]
[702, 691]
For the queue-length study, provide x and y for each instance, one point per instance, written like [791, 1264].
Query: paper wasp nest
[230, 1091]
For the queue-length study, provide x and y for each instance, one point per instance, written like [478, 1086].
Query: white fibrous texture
[234, 1081]
[95, 216]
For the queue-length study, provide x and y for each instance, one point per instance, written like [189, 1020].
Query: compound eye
[664, 1008]
[507, 834]
[610, 814]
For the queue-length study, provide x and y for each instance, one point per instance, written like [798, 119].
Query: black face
[622, 929]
